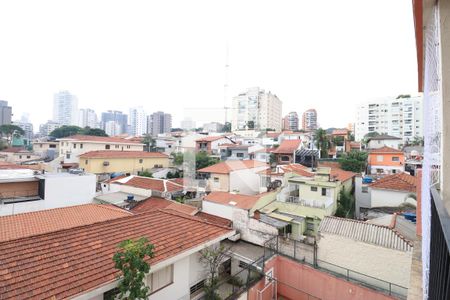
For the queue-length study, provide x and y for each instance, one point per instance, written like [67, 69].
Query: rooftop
[155, 203]
[383, 137]
[385, 149]
[365, 232]
[396, 182]
[228, 166]
[211, 138]
[341, 175]
[230, 199]
[154, 184]
[288, 146]
[50, 220]
[122, 154]
[101, 139]
[48, 266]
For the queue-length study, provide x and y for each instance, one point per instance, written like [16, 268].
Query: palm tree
[322, 142]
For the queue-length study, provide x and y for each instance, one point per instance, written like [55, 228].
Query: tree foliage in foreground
[354, 161]
[130, 261]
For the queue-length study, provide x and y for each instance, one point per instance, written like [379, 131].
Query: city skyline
[176, 69]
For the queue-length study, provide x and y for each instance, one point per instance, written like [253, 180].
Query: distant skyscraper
[116, 116]
[87, 118]
[290, 121]
[65, 108]
[213, 127]
[27, 128]
[257, 107]
[112, 128]
[159, 122]
[309, 120]
[47, 128]
[5, 113]
[138, 121]
[188, 124]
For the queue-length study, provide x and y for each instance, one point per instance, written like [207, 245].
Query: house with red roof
[240, 176]
[285, 152]
[210, 144]
[386, 160]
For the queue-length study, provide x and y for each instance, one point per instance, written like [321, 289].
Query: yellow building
[129, 162]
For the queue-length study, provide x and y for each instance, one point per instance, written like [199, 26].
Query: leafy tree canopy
[354, 161]
[203, 160]
[68, 130]
[8, 131]
[403, 96]
[130, 261]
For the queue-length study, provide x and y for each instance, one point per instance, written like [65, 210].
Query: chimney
[256, 215]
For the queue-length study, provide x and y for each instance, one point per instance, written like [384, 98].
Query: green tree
[178, 158]
[227, 127]
[354, 161]
[65, 131]
[370, 135]
[203, 160]
[322, 142]
[149, 142]
[130, 261]
[345, 205]
[417, 141]
[93, 131]
[251, 125]
[8, 131]
[146, 174]
[212, 258]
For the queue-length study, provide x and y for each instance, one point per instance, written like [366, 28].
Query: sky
[170, 55]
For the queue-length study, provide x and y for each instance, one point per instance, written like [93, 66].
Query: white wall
[246, 181]
[387, 197]
[68, 189]
[361, 199]
[22, 207]
[376, 144]
[252, 230]
[216, 209]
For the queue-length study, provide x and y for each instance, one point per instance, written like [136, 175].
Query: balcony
[311, 203]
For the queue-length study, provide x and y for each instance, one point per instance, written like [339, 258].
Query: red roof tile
[70, 262]
[273, 134]
[155, 184]
[122, 154]
[341, 175]
[11, 166]
[214, 219]
[225, 167]
[211, 138]
[396, 182]
[298, 169]
[288, 146]
[339, 132]
[104, 139]
[14, 150]
[230, 199]
[45, 221]
[384, 149]
[155, 203]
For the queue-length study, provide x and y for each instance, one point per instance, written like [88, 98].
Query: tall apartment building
[138, 121]
[87, 118]
[47, 128]
[159, 122]
[309, 120]
[401, 117]
[65, 108]
[290, 121]
[5, 113]
[187, 124]
[27, 127]
[117, 116]
[112, 128]
[259, 107]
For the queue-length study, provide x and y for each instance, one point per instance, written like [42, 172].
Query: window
[128, 147]
[54, 146]
[160, 279]
[28, 156]
[285, 158]
[379, 158]
[116, 146]
[107, 147]
[309, 226]
[81, 146]
[216, 179]
[364, 189]
[41, 145]
[141, 161]
[68, 156]
[324, 191]
[395, 158]
[20, 156]
[314, 189]
[86, 161]
[74, 146]
[240, 154]
[197, 287]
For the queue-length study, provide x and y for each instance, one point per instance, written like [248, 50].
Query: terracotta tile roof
[10, 166]
[103, 139]
[122, 154]
[384, 149]
[211, 138]
[155, 203]
[396, 182]
[50, 220]
[66, 263]
[273, 134]
[288, 146]
[365, 232]
[225, 167]
[235, 200]
[214, 219]
[298, 169]
[268, 150]
[341, 175]
[330, 164]
[14, 150]
[155, 184]
[115, 178]
[339, 132]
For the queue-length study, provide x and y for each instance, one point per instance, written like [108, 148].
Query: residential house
[380, 141]
[127, 162]
[210, 144]
[17, 155]
[167, 144]
[72, 147]
[393, 190]
[240, 176]
[285, 152]
[176, 272]
[241, 210]
[366, 248]
[21, 190]
[46, 149]
[310, 196]
[234, 152]
[262, 155]
[386, 160]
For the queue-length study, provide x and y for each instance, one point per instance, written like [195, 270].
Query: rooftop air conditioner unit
[106, 163]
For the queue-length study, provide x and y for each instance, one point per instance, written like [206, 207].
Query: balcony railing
[439, 280]
[310, 203]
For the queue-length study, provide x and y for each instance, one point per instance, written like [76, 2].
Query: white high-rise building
[65, 108]
[187, 124]
[47, 128]
[258, 108]
[309, 120]
[401, 117]
[113, 128]
[87, 118]
[138, 121]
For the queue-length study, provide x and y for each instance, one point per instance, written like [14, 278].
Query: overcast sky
[170, 55]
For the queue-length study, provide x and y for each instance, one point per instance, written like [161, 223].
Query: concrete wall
[376, 261]
[388, 198]
[222, 186]
[376, 144]
[361, 199]
[251, 230]
[69, 190]
[246, 181]
[216, 209]
[125, 165]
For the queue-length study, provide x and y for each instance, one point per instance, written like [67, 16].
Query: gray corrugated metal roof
[272, 221]
[365, 232]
